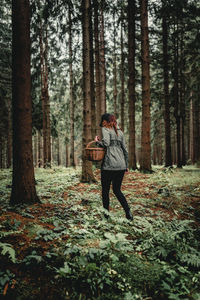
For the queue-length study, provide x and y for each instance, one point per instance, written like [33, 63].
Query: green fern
[7, 249]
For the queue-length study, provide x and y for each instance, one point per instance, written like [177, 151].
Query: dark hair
[105, 117]
[110, 119]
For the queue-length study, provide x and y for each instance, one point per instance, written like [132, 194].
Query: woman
[115, 162]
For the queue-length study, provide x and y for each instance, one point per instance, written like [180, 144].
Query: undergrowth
[64, 248]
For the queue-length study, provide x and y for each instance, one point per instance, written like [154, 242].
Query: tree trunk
[145, 162]
[114, 72]
[35, 144]
[67, 164]
[58, 151]
[182, 100]
[1, 162]
[45, 96]
[131, 82]
[97, 67]
[40, 158]
[93, 104]
[192, 154]
[168, 153]
[23, 180]
[9, 137]
[196, 130]
[102, 62]
[72, 162]
[87, 174]
[47, 102]
[176, 97]
[122, 78]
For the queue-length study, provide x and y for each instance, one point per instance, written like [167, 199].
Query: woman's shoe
[129, 215]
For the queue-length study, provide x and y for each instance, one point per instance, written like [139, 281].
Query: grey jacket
[116, 157]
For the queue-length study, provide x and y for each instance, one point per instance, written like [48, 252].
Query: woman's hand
[96, 138]
[127, 170]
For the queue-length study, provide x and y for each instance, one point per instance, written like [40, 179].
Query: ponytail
[113, 122]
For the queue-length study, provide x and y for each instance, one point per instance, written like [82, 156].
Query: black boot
[106, 214]
[129, 215]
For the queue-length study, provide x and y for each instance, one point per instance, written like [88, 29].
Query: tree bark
[102, 61]
[176, 96]
[45, 95]
[58, 151]
[122, 77]
[35, 144]
[47, 101]
[87, 174]
[23, 180]
[145, 162]
[40, 158]
[192, 152]
[9, 137]
[196, 130]
[115, 72]
[97, 67]
[182, 98]
[168, 152]
[93, 100]
[131, 82]
[72, 162]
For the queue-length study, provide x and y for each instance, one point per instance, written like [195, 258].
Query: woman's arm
[125, 151]
[105, 138]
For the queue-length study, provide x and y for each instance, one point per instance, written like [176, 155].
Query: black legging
[116, 178]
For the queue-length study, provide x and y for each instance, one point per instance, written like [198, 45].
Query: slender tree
[168, 154]
[72, 161]
[87, 174]
[45, 91]
[131, 82]
[9, 136]
[145, 159]
[176, 92]
[114, 68]
[93, 100]
[122, 73]
[23, 181]
[102, 60]
[97, 66]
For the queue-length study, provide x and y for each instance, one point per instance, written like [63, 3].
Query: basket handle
[90, 144]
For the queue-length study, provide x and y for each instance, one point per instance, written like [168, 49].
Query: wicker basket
[94, 154]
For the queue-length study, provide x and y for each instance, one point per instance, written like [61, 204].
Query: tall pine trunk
[23, 180]
[102, 61]
[72, 161]
[35, 150]
[168, 153]
[9, 137]
[47, 101]
[145, 160]
[40, 158]
[182, 100]
[122, 77]
[131, 82]
[176, 95]
[87, 174]
[45, 95]
[97, 67]
[192, 130]
[114, 71]
[93, 103]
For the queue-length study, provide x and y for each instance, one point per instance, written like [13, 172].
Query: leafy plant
[6, 249]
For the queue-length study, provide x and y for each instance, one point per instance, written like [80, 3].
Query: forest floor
[64, 248]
